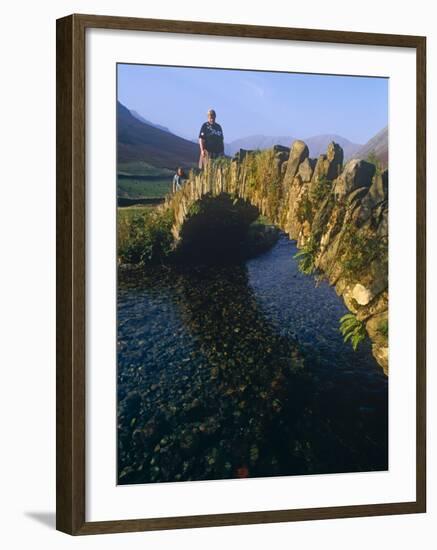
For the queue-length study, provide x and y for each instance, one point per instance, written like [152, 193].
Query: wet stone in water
[238, 371]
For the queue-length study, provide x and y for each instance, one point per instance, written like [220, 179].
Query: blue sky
[255, 102]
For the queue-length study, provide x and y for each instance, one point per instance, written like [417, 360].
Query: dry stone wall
[338, 214]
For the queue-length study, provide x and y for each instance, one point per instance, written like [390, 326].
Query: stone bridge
[338, 214]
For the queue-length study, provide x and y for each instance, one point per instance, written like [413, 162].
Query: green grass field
[141, 169]
[140, 180]
[143, 189]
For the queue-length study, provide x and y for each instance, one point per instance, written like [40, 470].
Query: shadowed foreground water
[240, 371]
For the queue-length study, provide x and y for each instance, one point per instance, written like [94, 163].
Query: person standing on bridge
[210, 140]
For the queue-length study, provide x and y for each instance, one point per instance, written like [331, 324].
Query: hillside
[142, 119]
[378, 145]
[139, 141]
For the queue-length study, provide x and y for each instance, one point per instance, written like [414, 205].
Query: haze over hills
[258, 141]
[316, 144]
[319, 144]
[140, 141]
[377, 145]
[142, 119]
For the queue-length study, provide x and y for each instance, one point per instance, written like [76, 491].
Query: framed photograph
[240, 274]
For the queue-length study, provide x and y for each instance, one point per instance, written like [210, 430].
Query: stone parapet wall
[338, 214]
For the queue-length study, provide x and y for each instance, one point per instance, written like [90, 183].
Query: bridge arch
[338, 214]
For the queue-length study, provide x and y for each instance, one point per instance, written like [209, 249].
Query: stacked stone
[318, 199]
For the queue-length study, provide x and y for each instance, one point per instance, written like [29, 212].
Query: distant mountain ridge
[378, 145]
[142, 119]
[257, 141]
[317, 145]
[141, 140]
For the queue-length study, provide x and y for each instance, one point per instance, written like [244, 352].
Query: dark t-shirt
[213, 136]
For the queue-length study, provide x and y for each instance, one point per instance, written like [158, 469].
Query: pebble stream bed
[239, 371]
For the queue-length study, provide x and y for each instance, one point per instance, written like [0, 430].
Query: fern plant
[352, 329]
[307, 256]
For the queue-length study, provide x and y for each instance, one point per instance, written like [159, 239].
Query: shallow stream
[240, 371]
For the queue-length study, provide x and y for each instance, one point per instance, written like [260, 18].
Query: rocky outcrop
[337, 214]
[357, 174]
[298, 153]
[329, 166]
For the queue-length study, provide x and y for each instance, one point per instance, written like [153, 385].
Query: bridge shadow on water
[216, 230]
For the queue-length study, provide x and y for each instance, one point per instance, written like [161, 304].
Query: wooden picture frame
[71, 253]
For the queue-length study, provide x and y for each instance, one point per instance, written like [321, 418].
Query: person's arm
[202, 142]
[202, 145]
